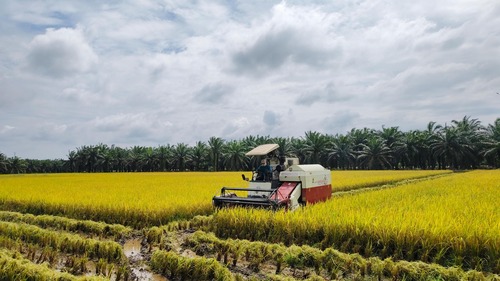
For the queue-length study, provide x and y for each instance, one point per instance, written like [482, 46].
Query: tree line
[463, 144]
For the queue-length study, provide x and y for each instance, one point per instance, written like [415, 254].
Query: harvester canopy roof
[263, 149]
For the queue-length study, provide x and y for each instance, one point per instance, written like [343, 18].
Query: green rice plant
[331, 262]
[87, 227]
[278, 256]
[122, 273]
[292, 258]
[64, 242]
[176, 266]
[235, 250]
[311, 258]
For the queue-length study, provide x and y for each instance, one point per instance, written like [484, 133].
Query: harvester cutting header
[280, 182]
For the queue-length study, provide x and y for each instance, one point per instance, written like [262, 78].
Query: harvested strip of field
[63, 242]
[180, 254]
[349, 180]
[14, 267]
[88, 227]
[63, 251]
[452, 220]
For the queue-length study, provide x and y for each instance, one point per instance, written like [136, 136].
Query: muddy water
[140, 271]
[144, 275]
[132, 248]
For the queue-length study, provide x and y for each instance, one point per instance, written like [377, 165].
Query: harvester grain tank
[294, 186]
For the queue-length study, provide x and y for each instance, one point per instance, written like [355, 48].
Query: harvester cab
[285, 184]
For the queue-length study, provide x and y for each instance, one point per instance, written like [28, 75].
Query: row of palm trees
[463, 144]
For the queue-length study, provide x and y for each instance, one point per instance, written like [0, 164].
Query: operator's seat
[268, 176]
[264, 176]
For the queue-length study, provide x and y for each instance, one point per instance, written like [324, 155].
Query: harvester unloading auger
[295, 185]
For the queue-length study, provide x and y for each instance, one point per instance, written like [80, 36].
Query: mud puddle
[143, 274]
[133, 250]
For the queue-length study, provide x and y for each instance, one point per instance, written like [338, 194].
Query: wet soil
[138, 253]
[138, 256]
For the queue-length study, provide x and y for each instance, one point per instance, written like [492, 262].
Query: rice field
[453, 220]
[134, 199]
[143, 199]
[349, 180]
[76, 226]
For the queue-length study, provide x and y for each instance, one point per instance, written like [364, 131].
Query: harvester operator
[276, 172]
[263, 171]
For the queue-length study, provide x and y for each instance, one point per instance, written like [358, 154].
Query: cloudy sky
[147, 72]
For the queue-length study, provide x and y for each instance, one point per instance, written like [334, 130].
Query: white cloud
[271, 118]
[6, 128]
[213, 93]
[292, 35]
[82, 96]
[61, 52]
[147, 72]
[49, 131]
[128, 122]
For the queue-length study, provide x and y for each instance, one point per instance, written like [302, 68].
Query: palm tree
[375, 154]
[298, 149]
[473, 133]
[493, 130]
[181, 155]
[433, 128]
[360, 136]
[249, 142]
[415, 149]
[492, 153]
[393, 140]
[163, 154]
[285, 144]
[431, 133]
[95, 157]
[17, 165]
[234, 155]
[3, 163]
[315, 146]
[135, 158]
[150, 160]
[81, 158]
[216, 145]
[88, 157]
[450, 147]
[199, 156]
[72, 160]
[263, 139]
[468, 125]
[491, 149]
[105, 162]
[56, 166]
[342, 152]
[119, 157]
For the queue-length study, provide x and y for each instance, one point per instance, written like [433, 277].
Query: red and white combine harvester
[295, 185]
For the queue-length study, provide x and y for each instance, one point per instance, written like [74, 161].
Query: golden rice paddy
[452, 219]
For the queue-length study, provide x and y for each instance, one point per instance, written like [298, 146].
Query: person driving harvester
[263, 171]
[276, 172]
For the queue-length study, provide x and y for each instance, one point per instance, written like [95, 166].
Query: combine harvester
[294, 186]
